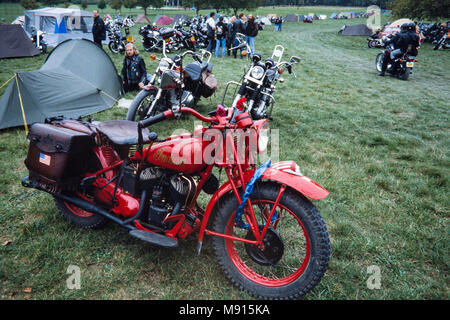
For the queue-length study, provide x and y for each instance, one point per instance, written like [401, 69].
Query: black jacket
[98, 29]
[223, 26]
[251, 29]
[133, 70]
[238, 27]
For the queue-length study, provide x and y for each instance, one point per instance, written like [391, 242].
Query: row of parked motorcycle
[183, 35]
[170, 89]
[436, 33]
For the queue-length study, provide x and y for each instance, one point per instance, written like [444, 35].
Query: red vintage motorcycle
[268, 238]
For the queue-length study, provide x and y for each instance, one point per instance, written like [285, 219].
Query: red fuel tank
[181, 153]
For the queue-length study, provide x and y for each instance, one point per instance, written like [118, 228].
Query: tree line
[420, 9]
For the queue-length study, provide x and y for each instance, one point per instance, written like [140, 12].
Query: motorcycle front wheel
[297, 245]
[114, 47]
[139, 108]
[379, 61]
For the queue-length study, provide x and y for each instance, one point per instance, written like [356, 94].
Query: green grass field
[379, 145]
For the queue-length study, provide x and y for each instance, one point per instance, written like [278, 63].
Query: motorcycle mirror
[294, 59]
[289, 68]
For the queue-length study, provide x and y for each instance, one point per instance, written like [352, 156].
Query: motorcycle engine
[170, 193]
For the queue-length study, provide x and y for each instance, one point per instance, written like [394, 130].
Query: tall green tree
[237, 5]
[101, 4]
[150, 3]
[116, 4]
[421, 9]
[198, 4]
[29, 4]
[129, 4]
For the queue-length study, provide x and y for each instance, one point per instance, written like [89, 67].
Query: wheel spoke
[289, 239]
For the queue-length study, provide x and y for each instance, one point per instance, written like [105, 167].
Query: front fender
[285, 172]
[288, 173]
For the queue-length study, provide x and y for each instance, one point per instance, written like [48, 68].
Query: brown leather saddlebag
[209, 84]
[57, 157]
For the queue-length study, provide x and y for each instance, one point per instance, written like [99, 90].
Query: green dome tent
[15, 42]
[77, 79]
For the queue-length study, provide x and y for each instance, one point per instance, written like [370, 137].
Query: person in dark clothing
[402, 41]
[221, 37]
[211, 27]
[238, 27]
[230, 40]
[98, 29]
[134, 73]
[414, 40]
[251, 31]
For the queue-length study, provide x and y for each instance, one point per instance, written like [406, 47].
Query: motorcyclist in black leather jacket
[404, 41]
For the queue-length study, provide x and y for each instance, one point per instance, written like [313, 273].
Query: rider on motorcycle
[403, 41]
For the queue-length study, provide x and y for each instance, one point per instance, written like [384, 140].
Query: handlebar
[170, 114]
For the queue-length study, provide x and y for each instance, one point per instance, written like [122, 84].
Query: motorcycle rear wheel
[297, 245]
[79, 217]
[405, 75]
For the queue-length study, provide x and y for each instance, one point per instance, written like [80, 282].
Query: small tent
[266, 21]
[356, 30]
[15, 42]
[292, 17]
[60, 24]
[77, 79]
[165, 20]
[19, 20]
[334, 15]
[394, 26]
[142, 19]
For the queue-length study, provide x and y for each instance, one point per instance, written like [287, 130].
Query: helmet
[412, 26]
[404, 27]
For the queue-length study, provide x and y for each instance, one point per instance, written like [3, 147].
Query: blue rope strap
[248, 191]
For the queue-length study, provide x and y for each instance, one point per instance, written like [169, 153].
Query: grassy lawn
[379, 145]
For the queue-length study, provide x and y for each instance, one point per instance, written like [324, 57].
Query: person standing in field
[251, 31]
[98, 29]
[211, 26]
[221, 37]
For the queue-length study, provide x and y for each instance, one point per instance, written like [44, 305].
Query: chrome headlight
[257, 72]
[163, 65]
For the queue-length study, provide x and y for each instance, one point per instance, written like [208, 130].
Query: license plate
[410, 64]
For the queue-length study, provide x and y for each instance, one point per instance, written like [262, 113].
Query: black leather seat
[196, 69]
[122, 132]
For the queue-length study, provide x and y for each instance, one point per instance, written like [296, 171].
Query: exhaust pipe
[88, 206]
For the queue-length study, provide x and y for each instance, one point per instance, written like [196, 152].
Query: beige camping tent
[394, 27]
